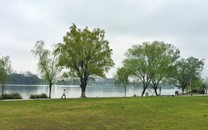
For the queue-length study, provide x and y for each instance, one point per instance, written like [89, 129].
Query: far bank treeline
[85, 54]
[29, 78]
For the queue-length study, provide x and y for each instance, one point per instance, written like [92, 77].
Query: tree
[151, 62]
[47, 63]
[186, 71]
[86, 54]
[205, 84]
[138, 62]
[5, 71]
[27, 78]
[198, 86]
[162, 57]
[122, 77]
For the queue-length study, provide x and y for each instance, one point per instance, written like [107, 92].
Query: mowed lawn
[147, 113]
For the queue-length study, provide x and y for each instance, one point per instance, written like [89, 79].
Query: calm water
[74, 91]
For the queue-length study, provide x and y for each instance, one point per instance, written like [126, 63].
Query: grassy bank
[156, 113]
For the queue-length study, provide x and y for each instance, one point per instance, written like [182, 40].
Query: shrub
[43, 95]
[177, 93]
[195, 91]
[12, 96]
[201, 90]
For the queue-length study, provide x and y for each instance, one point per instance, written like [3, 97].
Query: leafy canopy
[186, 71]
[151, 62]
[122, 76]
[47, 62]
[85, 53]
[5, 69]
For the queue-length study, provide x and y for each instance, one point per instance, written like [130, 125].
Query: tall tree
[5, 71]
[186, 71]
[86, 54]
[151, 62]
[122, 77]
[163, 58]
[47, 63]
[139, 63]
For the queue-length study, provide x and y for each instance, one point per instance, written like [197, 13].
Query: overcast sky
[182, 23]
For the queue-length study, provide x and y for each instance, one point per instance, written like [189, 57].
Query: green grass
[148, 113]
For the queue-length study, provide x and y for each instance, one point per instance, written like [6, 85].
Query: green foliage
[204, 86]
[186, 72]
[198, 85]
[162, 58]
[85, 54]
[31, 79]
[12, 96]
[5, 71]
[195, 91]
[43, 95]
[150, 63]
[47, 63]
[122, 76]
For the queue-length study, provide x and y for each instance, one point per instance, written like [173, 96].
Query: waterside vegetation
[85, 54]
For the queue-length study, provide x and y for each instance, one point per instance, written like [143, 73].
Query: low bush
[12, 96]
[43, 95]
[195, 91]
[201, 91]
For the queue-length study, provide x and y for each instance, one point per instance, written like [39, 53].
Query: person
[64, 94]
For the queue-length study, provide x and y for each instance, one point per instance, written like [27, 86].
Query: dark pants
[63, 96]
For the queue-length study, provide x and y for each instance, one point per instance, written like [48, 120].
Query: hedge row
[43, 95]
[18, 96]
[12, 96]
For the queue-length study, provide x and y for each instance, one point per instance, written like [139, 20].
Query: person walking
[64, 94]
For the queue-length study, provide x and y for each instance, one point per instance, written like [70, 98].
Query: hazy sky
[183, 23]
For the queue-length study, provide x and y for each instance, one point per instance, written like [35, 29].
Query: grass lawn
[148, 113]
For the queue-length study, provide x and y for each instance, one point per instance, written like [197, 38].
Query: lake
[74, 91]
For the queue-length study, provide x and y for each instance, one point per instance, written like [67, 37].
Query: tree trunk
[160, 90]
[156, 86]
[50, 85]
[155, 89]
[125, 90]
[83, 87]
[2, 91]
[183, 90]
[144, 89]
[83, 95]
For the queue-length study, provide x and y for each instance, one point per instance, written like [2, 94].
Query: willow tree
[151, 63]
[85, 54]
[5, 71]
[47, 63]
[122, 77]
[186, 71]
[163, 58]
[137, 60]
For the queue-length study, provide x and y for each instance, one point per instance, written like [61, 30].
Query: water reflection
[74, 91]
